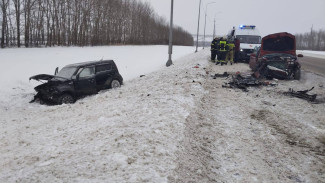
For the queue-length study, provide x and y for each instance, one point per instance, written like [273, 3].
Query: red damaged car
[276, 58]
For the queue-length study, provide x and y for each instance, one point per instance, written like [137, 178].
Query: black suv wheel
[115, 84]
[297, 74]
[66, 99]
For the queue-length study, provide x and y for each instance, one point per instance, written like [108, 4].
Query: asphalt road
[316, 65]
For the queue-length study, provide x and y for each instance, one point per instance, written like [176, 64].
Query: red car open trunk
[278, 43]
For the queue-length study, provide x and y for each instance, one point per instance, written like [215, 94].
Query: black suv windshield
[67, 72]
[249, 39]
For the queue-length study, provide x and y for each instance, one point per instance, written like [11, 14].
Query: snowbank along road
[174, 125]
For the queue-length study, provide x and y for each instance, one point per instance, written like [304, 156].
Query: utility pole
[198, 27]
[214, 28]
[170, 48]
[205, 21]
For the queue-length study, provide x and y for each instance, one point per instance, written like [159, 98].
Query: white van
[249, 38]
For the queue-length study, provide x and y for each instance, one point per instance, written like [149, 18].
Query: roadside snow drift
[317, 54]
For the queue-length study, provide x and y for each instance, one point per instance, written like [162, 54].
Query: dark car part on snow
[243, 81]
[302, 94]
[224, 75]
[77, 80]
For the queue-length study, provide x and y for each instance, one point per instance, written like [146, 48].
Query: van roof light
[247, 26]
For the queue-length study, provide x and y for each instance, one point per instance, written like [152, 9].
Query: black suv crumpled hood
[46, 77]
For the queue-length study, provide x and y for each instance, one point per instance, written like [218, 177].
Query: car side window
[103, 68]
[256, 50]
[87, 72]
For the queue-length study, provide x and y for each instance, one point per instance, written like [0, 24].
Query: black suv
[76, 80]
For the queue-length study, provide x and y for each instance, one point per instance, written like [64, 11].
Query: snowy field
[176, 124]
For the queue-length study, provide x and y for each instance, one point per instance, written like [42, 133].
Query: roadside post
[170, 48]
[198, 27]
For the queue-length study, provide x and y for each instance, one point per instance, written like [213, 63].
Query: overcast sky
[270, 16]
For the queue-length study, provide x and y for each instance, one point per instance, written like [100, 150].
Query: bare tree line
[313, 40]
[34, 23]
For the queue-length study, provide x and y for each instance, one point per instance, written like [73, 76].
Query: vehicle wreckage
[224, 75]
[243, 81]
[276, 58]
[302, 94]
[246, 80]
[76, 80]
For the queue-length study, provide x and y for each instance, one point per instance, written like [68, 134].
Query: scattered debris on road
[224, 75]
[242, 81]
[196, 82]
[197, 66]
[302, 94]
[245, 80]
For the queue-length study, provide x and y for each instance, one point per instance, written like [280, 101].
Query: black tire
[297, 74]
[115, 83]
[66, 99]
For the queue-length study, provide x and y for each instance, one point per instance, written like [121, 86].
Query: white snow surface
[317, 54]
[175, 124]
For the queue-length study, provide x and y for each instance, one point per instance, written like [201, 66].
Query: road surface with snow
[175, 124]
[313, 64]
[313, 61]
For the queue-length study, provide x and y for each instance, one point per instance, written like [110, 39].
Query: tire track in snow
[195, 152]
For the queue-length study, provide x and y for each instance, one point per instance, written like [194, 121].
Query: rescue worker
[230, 53]
[222, 51]
[214, 49]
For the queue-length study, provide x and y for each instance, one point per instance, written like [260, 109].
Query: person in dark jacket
[214, 49]
[237, 49]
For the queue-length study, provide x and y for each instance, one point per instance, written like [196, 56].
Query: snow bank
[317, 54]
